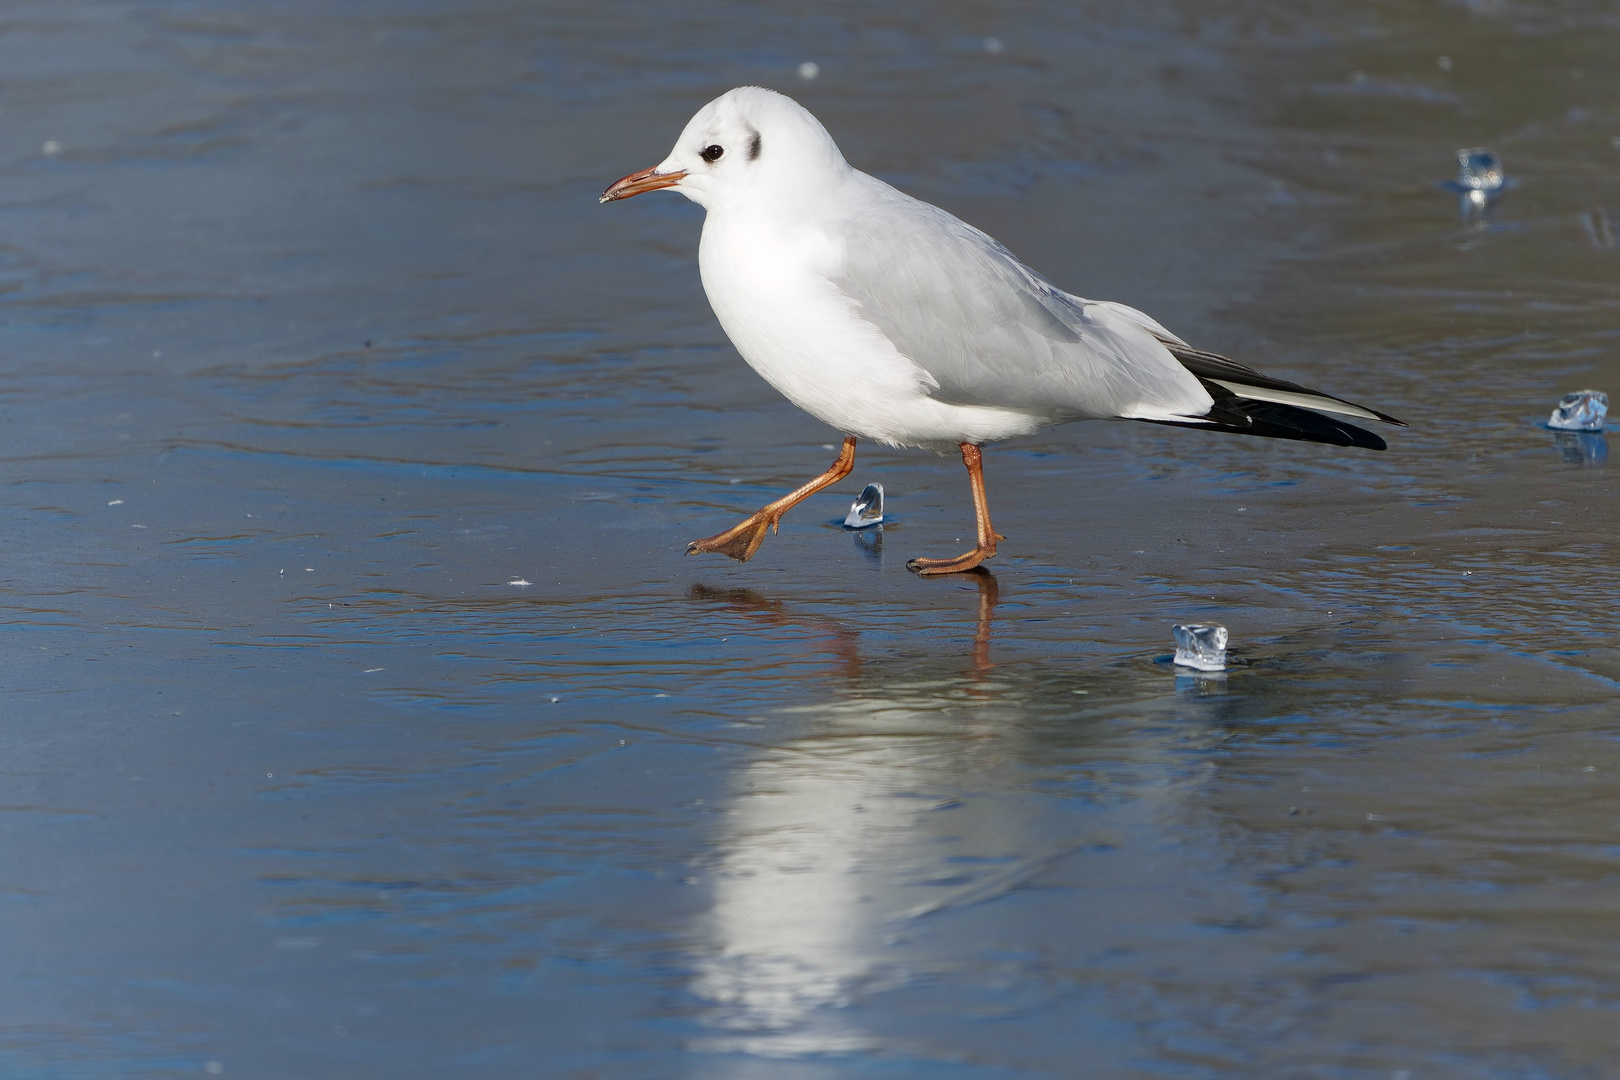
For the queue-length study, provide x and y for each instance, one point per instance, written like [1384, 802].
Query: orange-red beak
[637, 182]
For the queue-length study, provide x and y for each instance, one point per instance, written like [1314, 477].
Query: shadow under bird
[890, 319]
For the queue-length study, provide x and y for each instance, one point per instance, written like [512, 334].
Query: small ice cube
[1599, 229]
[809, 70]
[1583, 410]
[1479, 169]
[867, 510]
[1479, 181]
[1201, 647]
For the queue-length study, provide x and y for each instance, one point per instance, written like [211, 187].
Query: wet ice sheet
[300, 782]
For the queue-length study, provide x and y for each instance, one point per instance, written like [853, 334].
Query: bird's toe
[739, 542]
[961, 564]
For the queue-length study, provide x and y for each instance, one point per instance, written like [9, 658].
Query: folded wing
[989, 331]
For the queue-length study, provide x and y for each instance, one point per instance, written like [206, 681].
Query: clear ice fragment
[1479, 169]
[1201, 647]
[1480, 180]
[867, 510]
[1583, 410]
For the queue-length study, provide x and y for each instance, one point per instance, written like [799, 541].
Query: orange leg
[741, 541]
[986, 547]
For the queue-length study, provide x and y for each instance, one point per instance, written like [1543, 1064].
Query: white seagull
[890, 319]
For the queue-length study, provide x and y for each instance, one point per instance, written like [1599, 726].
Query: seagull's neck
[785, 202]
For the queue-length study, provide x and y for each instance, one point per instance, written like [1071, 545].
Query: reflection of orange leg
[845, 642]
[741, 541]
[989, 593]
[986, 547]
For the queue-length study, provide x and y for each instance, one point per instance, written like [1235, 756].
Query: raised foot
[738, 542]
[961, 564]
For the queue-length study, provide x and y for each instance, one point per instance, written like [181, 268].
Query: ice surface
[1582, 447]
[869, 542]
[867, 510]
[1201, 647]
[1583, 410]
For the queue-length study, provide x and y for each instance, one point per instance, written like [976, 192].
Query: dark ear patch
[753, 147]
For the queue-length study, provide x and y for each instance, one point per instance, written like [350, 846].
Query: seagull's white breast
[768, 282]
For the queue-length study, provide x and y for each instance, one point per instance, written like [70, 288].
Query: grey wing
[990, 331]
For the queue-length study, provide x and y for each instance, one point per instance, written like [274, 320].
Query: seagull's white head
[748, 143]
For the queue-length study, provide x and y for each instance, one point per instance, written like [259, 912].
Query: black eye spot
[712, 152]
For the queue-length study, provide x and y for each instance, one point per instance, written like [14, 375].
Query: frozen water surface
[324, 289]
[1582, 447]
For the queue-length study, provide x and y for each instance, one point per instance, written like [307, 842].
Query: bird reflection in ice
[882, 804]
[806, 892]
[989, 593]
[841, 641]
[793, 935]
[838, 640]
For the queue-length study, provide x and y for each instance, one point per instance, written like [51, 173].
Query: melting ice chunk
[1201, 647]
[1480, 179]
[1479, 169]
[867, 510]
[1583, 410]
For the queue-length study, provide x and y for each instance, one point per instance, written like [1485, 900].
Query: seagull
[889, 319]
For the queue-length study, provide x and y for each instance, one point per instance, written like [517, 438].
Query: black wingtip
[1212, 367]
[1342, 435]
[1272, 420]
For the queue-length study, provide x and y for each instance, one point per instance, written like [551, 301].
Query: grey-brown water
[315, 343]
